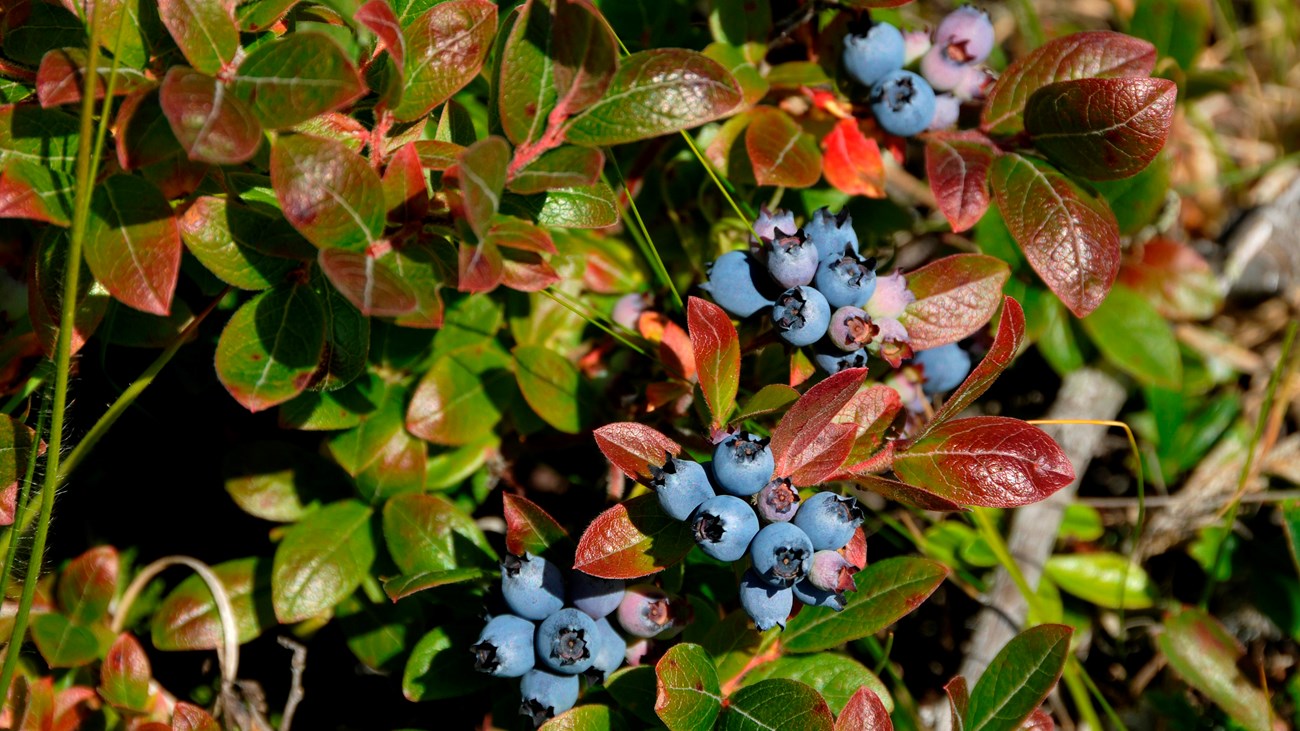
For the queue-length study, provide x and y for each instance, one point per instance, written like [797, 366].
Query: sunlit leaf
[632, 539]
[321, 560]
[132, 243]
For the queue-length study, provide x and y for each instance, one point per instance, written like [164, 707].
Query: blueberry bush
[553, 364]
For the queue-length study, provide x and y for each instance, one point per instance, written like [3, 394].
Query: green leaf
[188, 619]
[1178, 28]
[48, 26]
[401, 586]
[633, 687]
[221, 235]
[529, 529]
[1205, 655]
[482, 172]
[1133, 336]
[380, 454]
[525, 84]
[1106, 579]
[552, 386]
[270, 348]
[125, 675]
[770, 399]
[210, 125]
[347, 336]
[1102, 129]
[836, 677]
[133, 245]
[88, 584]
[445, 49]
[379, 633]
[587, 717]
[288, 81]
[439, 667]
[887, 590]
[205, 31]
[564, 167]
[63, 644]
[688, 695]
[329, 193]
[739, 22]
[427, 533]
[587, 206]
[632, 539]
[654, 93]
[776, 705]
[1018, 679]
[454, 403]
[780, 151]
[278, 481]
[322, 560]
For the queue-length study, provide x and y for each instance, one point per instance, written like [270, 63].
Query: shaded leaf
[45, 295]
[404, 585]
[957, 165]
[801, 434]
[634, 448]
[564, 167]
[586, 56]
[329, 193]
[552, 386]
[61, 77]
[16, 448]
[1006, 344]
[453, 404]
[437, 667]
[903, 493]
[1018, 679]
[378, 17]
[88, 584]
[292, 79]
[406, 191]
[771, 398]
[124, 677]
[445, 49]
[529, 529]
[716, 348]
[852, 161]
[210, 125]
[204, 30]
[688, 695]
[955, 297]
[143, 135]
[781, 152]
[322, 560]
[1205, 655]
[132, 243]
[632, 539]
[370, 286]
[229, 239]
[61, 643]
[481, 170]
[270, 348]
[776, 704]
[1129, 331]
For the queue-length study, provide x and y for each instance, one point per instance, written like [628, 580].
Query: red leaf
[526, 271]
[87, 585]
[436, 155]
[327, 191]
[1039, 720]
[211, 124]
[797, 435]
[1176, 279]
[957, 166]
[990, 461]
[406, 193]
[1069, 236]
[61, 77]
[852, 161]
[187, 717]
[1006, 344]
[529, 528]
[631, 540]
[33, 191]
[518, 234]
[864, 712]
[479, 267]
[675, 348]
[855, 552]
[378, 16]
[958, 699]
[634, 447]
[872, 412]
[955, 297]
[369, 285]
[906, 494]
[125, 675]
[781, 152]
[822, 457]
[481, 172]
[717, 356]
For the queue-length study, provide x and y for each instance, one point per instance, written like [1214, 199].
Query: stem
[642, 236]
[1027, 19]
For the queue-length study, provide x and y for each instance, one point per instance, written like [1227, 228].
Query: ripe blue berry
[805, 592]
[593, 595]
[903, 103]
[564, 640]
[947, 109]
[944, 367]
[742, 464]
[504, 647]
[767, 605]
[731, 284]
[846, 280]
[832, 572]
[792, 260]
[829, 519]
[533, 587]
[801, 315]
[851, 328]
[723, 526]
[782, 553]
[546, 695]
[965, 35]
[607, 655]
[833, 360]
[870, 56]
[778, 501]
[681, 485]
[831, 233]
[647, 611]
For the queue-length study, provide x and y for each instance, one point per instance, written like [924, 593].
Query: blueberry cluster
[906, 103]
[735, 509]
[549, 645]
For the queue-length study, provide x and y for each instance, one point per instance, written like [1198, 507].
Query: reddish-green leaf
[269, 349]
[290, 80]
[586, 56]
[586, 206]
[143, 135]
[204, 30]
[1174, 278]
[61, 77]
[991, 461]
[425, 272]
[654, 93]
[958, 701]
[1011, 331]
[1129, 331]
[529, 528]
[32, 191]
[717, 356]
[1018, 679]
[88, 584]
[634, 448]
[481, 171]
[1205, 655]
[479, 268]
[955, 297]
[776, 704]
[852, 161]
[687, 695]
[403, 585]
[551, 385]
[1068, 236]
[189, 717]
[132, 243]
[16, 448]
[445, 49]
[632, 539]
[436, 155]
[887, 590]
[406, 188]
[957, 166]
[426, 533]
[864, 712]
[230, 240]
[1103, 54]
[45, 293]
[321, 560]
[799, 436]
[329, 193]
[261, 15]
[188, 619]
[369, 285]
[379, 18]
[1102, 129]
[782, 153]
[45, 137]
[347, 343]
[565, 167]
[453, 404]
[124, 677]
[771, 398]
[211, 125]
[901, 492]
[62, 643]
[871, 411]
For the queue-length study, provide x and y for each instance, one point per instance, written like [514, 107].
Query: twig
[297, 665]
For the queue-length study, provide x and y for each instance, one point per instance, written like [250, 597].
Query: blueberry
[564, 641]
[831, 233]
[942, 73]
[768, 222]
[533, 587]
[829, 519]
[595, 596]
[723, 526]
[504, 647]
[947, 109]
[777, 501]
[546, 695]
[681, 485]
[647, 611]
[627, 311]
[742, 464]
[792, 260]
[767, 605]
[846, 280]
[944, 367]
[731, 284]
[801, 315]
[965, 35]
[831, 572]
[903, 103]
[851, 328]
[805, 592]
[782, 553]
[870, 56]
[610, 647]
[833, 360]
